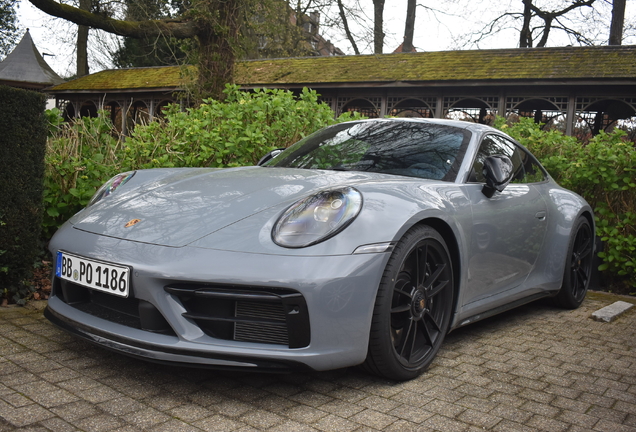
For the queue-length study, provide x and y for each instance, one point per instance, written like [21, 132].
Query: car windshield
[408, 148]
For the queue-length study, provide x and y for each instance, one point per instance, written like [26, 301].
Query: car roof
[474, 127]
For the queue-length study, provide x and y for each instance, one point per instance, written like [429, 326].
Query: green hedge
[22, 148]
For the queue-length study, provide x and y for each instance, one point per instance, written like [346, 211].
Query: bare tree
[539, 19]
[409, 26]
[82, 42]
[345, 24]
[378, 26]
[618, 22]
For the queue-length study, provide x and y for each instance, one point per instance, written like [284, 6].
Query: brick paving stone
[444, 424]
[175, 425]
[145, 418]
[56, 424]
[405, 426]
[290, 425]
[411, 414]
[189, 413]
[76, 410]
[217, 423]
[260, 419]
[274, 403]
[547, 424]
[332, 423]
[445, 408]
[378, 403]
[608, 426]
[373, 419]
[578, 419]
[478, 418]
[341, 408]
[311, 398]
[306, 414]
[99, 423]
[412, 398]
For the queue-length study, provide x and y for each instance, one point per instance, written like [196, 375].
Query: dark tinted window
[525, 167]
[408, 148]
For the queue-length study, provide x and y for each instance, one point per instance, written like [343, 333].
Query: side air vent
[247, 314]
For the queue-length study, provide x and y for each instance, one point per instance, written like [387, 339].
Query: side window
[495, 145]
[533, 173]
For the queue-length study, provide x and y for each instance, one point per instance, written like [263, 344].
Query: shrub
[604, 173]
[80, 157]
[22, 147]
[235, 132]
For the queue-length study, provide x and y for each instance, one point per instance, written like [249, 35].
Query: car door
[508, 229]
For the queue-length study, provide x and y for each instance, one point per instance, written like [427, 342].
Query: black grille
[247, 314]
[130, 312]
[271, 326]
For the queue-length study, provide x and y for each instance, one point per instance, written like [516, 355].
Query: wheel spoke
[426, 331]
[404, 341]
[404, 293]
[421, 265]
[581, 277]
[401, 308]
[413, 340]
[432, 320]
[584, 249]
[433, 291]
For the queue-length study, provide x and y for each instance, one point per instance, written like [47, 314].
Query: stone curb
[611, 312]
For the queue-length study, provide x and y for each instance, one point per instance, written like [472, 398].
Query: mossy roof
[542, 64]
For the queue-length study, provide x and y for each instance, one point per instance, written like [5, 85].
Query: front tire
[578, 266]
[413, 306]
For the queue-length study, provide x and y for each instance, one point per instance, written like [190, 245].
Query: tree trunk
[217, 41]
[525, 35]
[618, 20]
[378, 26]
[409, 27]
[82, 42]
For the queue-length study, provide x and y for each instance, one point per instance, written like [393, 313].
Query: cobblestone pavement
[534, 368]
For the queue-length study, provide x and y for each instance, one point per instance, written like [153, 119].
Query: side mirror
[498, 173]
[270, 155]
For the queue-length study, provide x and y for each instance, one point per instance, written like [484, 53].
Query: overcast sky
[433, 32]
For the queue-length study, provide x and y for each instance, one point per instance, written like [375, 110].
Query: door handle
[540, 215]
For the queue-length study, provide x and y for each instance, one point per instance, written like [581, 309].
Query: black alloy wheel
[578, 266]
[413, 306]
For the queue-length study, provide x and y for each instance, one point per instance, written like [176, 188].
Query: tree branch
[135, 29]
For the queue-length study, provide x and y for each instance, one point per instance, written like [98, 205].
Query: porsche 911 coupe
[363, 244]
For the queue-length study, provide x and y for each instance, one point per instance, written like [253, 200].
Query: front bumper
[339, 293]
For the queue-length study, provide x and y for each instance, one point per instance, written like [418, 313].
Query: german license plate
[97, 275]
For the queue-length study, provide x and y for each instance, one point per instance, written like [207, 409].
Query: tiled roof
[25, 65]
[150, 78]
[566, 63]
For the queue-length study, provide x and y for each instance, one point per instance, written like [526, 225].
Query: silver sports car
[364, 243]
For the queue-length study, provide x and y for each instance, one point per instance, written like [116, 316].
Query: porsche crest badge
[132, 222]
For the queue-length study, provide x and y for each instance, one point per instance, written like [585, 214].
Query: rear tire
[578, 266]
[413, 306]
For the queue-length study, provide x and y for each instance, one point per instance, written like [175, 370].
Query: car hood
[191, 203]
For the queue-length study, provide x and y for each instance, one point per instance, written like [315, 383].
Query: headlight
[317, 217]
[110, 186]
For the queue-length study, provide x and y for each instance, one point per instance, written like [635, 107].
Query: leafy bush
[80, 157]
[604, 172]
[235, 132]
[83, 154]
